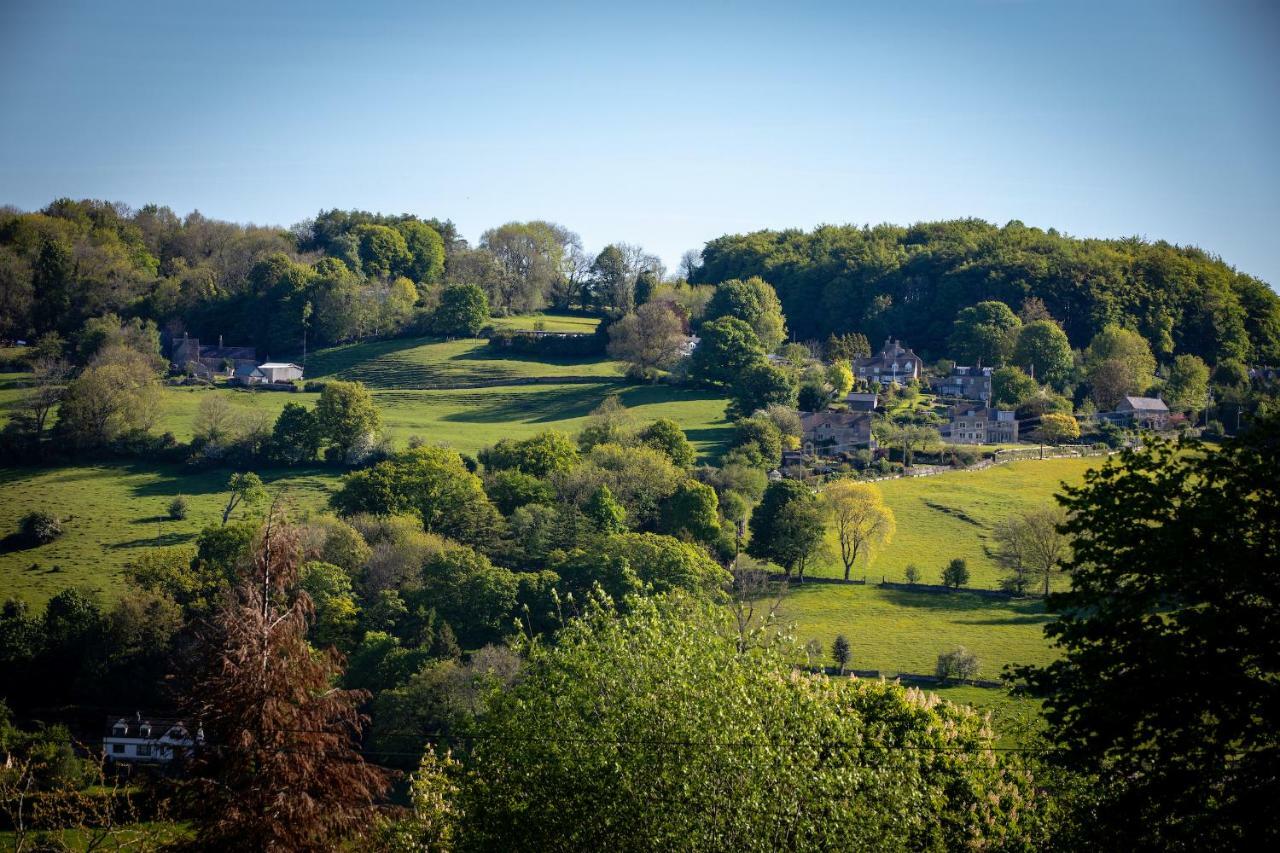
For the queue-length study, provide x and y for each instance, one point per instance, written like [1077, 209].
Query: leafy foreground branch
[649, 730]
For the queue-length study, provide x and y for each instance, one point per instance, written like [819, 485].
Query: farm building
[1146, 412]
[858, 401]
[215, 359]
[280, 371]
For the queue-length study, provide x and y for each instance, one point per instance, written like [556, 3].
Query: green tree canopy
[727, 348]
[787, 526]
[346, 414]
[984, 334]
[463, 311]
[582, 745]
[1042, 347]
[432, 482]
[754, 302]
[1163, 687]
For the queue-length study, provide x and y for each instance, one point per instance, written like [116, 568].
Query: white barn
[280, 371]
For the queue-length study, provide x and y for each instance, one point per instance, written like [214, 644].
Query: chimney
[219, 341]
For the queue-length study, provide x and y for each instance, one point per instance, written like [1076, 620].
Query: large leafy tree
[652, 730]
[345, 414]
[984, 334]
[1043, 350]
[650, 339]
[754, 302]
[787, 527]
[1187, 388]
[431, 482]
[462, 312]
[861, 519]
[1118, 362]
[728, 346]
[540, 455]
[1169, 639]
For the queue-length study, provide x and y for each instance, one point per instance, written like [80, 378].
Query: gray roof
[1146, 404]
[248, 370]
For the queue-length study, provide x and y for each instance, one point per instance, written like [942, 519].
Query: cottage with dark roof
[893, 364]
[1144, 412]
[968, 383]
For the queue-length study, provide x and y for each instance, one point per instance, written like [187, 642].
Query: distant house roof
[248, 370]
[1145, 404]
[276, 365]
[861, 397]
[233, 353]
[811, 420]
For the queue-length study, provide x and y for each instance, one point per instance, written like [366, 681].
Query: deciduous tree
[861, 519]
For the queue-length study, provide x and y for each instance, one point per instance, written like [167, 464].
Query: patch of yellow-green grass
[424, 363]
[111, 512]
[550, 322]
[895, 631]
[13, 388]
[1014, 719]
[952, 515]
[470, 419]
[138, 836]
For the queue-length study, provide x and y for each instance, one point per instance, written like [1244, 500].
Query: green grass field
[904, 631]
[469, 419]
[111, 513]
[952, 515]
[550, 322]
[419, 363]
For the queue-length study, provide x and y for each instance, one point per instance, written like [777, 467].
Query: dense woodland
[911, 283]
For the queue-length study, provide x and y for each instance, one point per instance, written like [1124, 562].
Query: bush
[913, 574]
[955, 574]
[957, 663]
[178, 508]
[40, 527]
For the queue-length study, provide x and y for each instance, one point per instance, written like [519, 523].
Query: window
[144, 749]
[117, 748]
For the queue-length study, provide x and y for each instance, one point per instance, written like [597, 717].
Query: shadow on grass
[337, 360]
[963, 601]
[1023, 619]
[163, 540]
[15, 543]
[542, 406]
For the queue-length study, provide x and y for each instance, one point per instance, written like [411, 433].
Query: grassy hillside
[417, 363]
[469, 419]
[903, 632]
[111, 513]
[952, 515]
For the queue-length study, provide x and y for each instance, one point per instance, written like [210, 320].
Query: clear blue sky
[660, 124]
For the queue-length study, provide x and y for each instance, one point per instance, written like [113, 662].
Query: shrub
[955, 574]
[40, 527]
[178, 508]
[913, 574]
[957, 663]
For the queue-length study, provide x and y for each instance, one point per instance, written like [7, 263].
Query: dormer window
[119, 729]
[146, 730]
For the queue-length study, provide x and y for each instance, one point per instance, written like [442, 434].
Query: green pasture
[111, 513]
[469, 419]
[418, 363]
[550, 322]
[895, 631]
[952, 514]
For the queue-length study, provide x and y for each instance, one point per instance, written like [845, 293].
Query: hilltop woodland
[568, 640]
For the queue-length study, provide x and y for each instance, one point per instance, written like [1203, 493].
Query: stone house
[832, 433]
[1145, 412]
[893, 364]
[188, 351]
[967, 383]
[977, 424]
